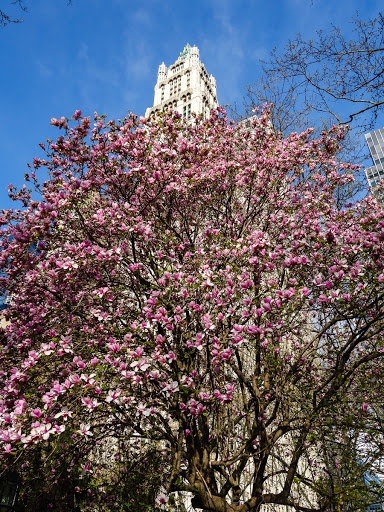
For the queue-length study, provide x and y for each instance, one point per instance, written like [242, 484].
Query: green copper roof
[185, 53]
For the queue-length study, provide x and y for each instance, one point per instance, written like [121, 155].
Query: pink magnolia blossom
[193, 303]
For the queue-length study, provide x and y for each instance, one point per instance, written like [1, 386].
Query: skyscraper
[185, 86]
[375, 141]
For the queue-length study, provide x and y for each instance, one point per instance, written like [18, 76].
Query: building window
[188, 79]
[185, 111]
[162, 93]
[179, 83]
[189, 111]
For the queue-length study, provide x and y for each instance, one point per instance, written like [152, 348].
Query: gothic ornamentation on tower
[185, 86]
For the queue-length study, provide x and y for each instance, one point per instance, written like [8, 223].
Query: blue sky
[103, 55]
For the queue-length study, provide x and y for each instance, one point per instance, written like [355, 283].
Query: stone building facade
[185, 86]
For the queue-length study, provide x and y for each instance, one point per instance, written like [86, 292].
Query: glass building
[373, 480]
[375, 141]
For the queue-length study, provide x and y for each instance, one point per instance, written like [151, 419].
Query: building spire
[186, 52]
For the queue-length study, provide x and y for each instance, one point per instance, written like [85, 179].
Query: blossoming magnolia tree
[189, 311]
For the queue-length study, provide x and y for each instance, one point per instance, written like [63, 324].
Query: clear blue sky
[103, 55]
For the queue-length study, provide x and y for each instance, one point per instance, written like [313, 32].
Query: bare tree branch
[5, 18]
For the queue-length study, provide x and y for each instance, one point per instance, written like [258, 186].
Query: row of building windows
[377, 136]
[378, 161]
[175, 85]
[373, 173]
[204, 71]
[205, 102]
[375, 142]
[173, 104]
[177, 68]
[187, 109]
[205, 84]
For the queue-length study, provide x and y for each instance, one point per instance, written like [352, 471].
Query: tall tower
[185, 86]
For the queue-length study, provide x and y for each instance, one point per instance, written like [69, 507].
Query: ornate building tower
[185, 86]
